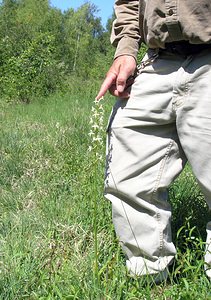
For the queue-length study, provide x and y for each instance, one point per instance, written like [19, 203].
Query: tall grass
[56, 235]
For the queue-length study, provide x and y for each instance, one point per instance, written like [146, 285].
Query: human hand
[119, 77]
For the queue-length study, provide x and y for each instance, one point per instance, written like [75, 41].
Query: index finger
[107, 83]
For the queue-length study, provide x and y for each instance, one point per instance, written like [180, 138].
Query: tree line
[41, 47]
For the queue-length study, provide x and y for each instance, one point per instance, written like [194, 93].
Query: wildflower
[96, 114]
[91, 133]
[95, 126]
[101, 120]
[97, 131]
[98, 101]
[97, 139]
[99, 156]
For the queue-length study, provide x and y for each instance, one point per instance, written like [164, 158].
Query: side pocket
[119, 104]
[110, 119]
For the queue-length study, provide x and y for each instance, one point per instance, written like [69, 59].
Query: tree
[41, 46]
[29, 64]
[82, 31]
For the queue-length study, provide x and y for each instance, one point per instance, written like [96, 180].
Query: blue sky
[105, 7]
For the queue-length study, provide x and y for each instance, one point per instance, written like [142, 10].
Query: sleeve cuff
[127, 46]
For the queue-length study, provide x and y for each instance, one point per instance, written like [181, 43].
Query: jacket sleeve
[125, 34]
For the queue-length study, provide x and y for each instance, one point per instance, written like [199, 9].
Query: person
[158, 123]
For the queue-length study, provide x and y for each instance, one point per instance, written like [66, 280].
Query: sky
[105, 7]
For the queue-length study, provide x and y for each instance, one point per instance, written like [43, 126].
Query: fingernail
[98, 99]
[120, 88]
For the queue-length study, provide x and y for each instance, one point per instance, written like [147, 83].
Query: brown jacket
[156, 22]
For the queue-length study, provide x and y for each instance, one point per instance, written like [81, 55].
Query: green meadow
[56, 235]
[57, 240]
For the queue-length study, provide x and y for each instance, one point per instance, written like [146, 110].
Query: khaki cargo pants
[165, 122]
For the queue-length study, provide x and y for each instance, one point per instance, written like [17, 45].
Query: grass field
[56, 235]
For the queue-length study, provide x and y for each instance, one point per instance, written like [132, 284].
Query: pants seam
[158, 216]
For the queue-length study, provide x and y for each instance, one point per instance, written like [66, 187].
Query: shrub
[32, 72]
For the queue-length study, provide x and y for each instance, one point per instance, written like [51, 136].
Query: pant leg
[194, 127]
[144, 156]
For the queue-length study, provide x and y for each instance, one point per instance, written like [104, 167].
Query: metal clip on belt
[146, 62]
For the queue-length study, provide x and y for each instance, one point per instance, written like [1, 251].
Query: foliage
[55, 225]
[186, 208]
[56, 235]
[34, 71]
[42, 47]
